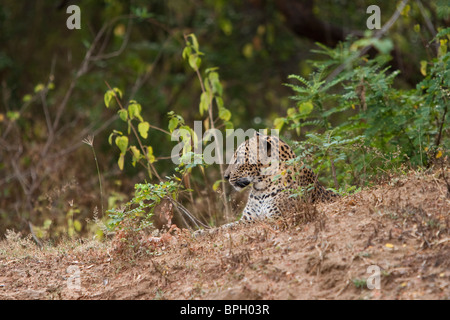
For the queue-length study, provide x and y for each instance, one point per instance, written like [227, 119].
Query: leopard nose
[227, 176]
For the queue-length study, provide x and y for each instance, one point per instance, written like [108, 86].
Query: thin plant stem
[90, 142]
[211, 121]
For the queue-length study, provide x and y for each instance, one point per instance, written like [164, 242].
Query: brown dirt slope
[401, 228]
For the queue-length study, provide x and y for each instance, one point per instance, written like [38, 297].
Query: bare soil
[401, 227]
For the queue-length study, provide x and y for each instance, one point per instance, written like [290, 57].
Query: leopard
[268, 166]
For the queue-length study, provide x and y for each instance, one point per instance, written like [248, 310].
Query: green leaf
[215, 83]
[219, 102]
[27, 98]
[123, 114]
[47, 224]
[122, 143]
[121, 161]
[194, 41]
[39, 87]
[417, 28]
[384, 46]
[13, 115]
[229, 125]
[442, 33]
[305, 108]
[77, 225]
[108, 96]
[173, 123]
[247, 50]
[136, 152]
[143, 128]
[134, 110]
[208, 70]
[406, 10]
[150, 157]
[186, 136]
[118, 92]
[291, 112]
[423, 67]
[207, 85]
[224, 114]
[195, 61]
[226, 26]
[278, 123]
[136, 155]
[110, 138]
[217, 184]
[186, 52]
[204, 103]
[442, 47]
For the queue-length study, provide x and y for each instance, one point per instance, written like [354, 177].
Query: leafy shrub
[136, 215]
[358, 125]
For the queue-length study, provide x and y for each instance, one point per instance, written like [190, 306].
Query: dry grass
[401, 226]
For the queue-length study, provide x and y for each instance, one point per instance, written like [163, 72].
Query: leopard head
[253, 162]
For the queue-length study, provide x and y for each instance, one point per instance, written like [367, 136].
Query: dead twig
[366, 49]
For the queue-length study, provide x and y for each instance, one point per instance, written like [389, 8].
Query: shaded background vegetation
[53, 84]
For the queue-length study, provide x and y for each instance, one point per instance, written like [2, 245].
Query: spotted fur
[272, 179]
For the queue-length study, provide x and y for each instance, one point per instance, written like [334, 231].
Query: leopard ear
[266, 142]
[269, 147]
[260, 135]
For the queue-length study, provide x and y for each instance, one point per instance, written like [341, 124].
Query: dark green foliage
[52, 85]
[358, 124]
